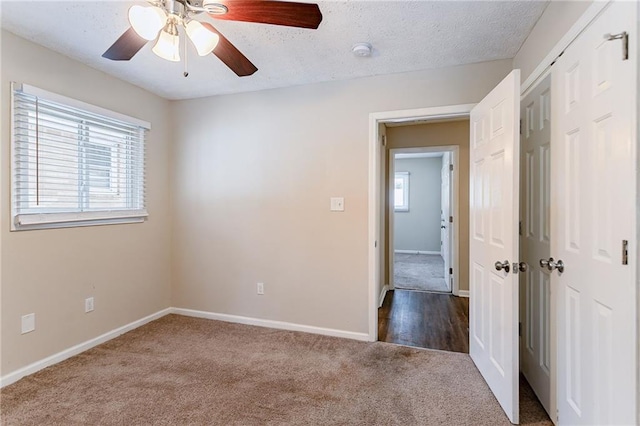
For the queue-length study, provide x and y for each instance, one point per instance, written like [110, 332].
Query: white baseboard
[75, 350]
[463, 293]
[281, 325]
[415, 252]
[14, 376]
[383, 293]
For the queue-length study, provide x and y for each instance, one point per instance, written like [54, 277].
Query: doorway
[417, 323]
[425, 175]
[421, 204]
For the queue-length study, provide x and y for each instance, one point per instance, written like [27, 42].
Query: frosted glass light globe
[147, 21]
[203, 39]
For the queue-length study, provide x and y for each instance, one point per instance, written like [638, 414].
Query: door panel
[494, 187]
[535, 292]
[593, 170]
[445, 225]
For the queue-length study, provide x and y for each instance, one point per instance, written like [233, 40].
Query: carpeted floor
[188, 371]
[419, 272]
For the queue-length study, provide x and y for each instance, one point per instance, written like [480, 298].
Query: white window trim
[31, 221]
[405, 190]
[54, 97]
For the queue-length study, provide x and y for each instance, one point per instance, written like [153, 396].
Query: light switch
[337, 204]
[28, 323]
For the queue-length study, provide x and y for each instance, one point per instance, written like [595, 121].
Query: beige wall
[50, 272]
[252, 178]
[448, 133]
[554, 23]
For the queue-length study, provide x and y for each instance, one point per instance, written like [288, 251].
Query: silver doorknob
[551, 264]
[559, 265]
[502, 265]
[522, 266]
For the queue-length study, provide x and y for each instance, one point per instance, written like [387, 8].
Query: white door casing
[594, 188]
[537, 356]
[494, 190]
[445, 212]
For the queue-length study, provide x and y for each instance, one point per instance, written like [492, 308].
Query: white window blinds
[73, 163]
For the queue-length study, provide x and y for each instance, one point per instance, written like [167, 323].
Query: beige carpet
[187, 371]
[423, 272]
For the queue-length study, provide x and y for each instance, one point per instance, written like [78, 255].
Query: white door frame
[454, 247]
[375, 251]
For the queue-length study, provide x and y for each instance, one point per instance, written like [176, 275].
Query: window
[73, 164]
[401, 192]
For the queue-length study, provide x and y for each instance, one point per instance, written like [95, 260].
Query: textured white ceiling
[406, 36]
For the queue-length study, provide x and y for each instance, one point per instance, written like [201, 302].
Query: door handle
[552, 264]
[502, 265]
[559, 265]
[522, 266]
[442, 227]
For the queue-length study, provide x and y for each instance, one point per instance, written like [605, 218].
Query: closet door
[593, 200]
[536, 355]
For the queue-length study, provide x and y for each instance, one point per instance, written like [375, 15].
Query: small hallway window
[401, 192]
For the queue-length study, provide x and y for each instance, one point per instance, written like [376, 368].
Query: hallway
[425, 320]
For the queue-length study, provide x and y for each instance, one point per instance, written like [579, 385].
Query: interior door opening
[425, 232]
[422, 221]
[402, 315]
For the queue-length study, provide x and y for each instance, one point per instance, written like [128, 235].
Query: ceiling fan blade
[230, 55]
[302, 15]
[125, 47]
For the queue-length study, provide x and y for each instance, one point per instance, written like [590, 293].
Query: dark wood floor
[425, 320]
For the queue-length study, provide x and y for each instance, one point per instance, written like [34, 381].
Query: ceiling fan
[162, 19]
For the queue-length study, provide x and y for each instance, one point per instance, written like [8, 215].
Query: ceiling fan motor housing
[214, 8]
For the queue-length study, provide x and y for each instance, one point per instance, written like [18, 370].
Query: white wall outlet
[260, 288]
[88, 304]
[337, 204]
[28, 323]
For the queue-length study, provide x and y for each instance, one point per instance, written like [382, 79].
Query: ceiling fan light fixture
[168, 44]
[203, 39]
[147, 21]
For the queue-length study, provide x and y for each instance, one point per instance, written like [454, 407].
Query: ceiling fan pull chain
[186, 58]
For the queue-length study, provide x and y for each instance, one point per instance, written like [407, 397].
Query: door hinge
[625, 252]
[624, 36]
[450, 219]
[450, 271]
[451, 167]
[520, 228]
[520, 126]
[375, 244]
[520, 329]
[383, 140]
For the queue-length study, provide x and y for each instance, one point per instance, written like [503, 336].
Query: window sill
[26, 222]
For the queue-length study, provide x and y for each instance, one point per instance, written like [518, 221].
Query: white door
[536, 355]
[593, 175]
[494, 190]
[445, 209]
